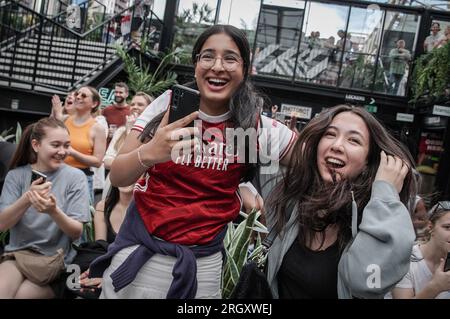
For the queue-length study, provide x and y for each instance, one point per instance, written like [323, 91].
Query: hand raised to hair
[393, 170]
[169, 139]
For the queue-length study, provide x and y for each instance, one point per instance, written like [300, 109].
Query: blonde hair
[147, 97]
[434, 215]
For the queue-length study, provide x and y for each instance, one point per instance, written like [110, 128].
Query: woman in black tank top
[108, 218]
[109, 213]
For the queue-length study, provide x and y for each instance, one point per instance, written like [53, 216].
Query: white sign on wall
[300, 112]
[405, 117]
[14, 104]
[441, 110]
[432, 120]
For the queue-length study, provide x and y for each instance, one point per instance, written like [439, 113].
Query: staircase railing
[46, 30]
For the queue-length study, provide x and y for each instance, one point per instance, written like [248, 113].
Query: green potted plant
[431, 76]
[140, 77]
[240, 246]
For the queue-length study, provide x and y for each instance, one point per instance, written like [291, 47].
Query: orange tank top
[79, 140]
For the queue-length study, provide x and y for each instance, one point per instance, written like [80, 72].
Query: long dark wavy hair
[111, 200]
[245, 103]
[25, 153]
[321, 204]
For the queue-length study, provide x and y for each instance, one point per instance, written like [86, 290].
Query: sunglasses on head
[440, 207]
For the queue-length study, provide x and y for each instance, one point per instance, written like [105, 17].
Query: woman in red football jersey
[170, 244]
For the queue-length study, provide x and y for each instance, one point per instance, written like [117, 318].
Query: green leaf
[431, 74]
[18, 133]
[231, 276]
[236, 245]
[4, 237]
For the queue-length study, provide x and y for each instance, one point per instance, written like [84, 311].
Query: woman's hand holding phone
[41, 186]
[42, 204]
[170, 138]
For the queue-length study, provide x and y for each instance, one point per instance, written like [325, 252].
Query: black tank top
[110, 233]
[307, 274]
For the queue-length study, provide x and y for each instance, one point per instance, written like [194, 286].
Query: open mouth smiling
[334, 163]
[217, 82]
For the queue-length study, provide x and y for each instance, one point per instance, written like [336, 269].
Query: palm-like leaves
[236, 242]
[431, 73]
[140, 78]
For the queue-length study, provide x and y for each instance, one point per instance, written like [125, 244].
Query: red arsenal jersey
[189, 199]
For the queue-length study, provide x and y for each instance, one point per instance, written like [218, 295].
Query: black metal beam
[169, 25]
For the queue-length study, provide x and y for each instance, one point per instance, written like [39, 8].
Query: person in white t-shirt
[434, 38]
[426, 278]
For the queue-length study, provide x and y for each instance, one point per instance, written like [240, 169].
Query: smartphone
[36, 175]
[184, 101]
[447, 263]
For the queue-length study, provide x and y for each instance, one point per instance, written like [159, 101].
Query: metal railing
[57, 47]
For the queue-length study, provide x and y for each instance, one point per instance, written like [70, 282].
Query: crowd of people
[344, 197]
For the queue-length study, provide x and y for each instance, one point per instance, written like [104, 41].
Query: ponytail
[24, 153]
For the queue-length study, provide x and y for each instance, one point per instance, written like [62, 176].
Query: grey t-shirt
[37, 230]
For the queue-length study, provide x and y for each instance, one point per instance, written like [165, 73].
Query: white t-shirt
[419, 275]
[432, 40]
[39, 231]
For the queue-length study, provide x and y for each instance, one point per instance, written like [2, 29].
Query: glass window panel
[361, 47]
[359, 72]
[277, 37]
[159, 7]
[285, 3]
[433, 4]
[396, 56]
[193, 17]
[318, 60]
[241, 14]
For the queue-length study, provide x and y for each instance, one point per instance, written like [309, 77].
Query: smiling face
[435, 28]
[52, 149]
[440, 232]
[70, 102]
[120, 94]
[343, 148]
[84, 101]
[216, 84]
[138, 104]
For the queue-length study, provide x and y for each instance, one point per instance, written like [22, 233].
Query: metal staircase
[41, 53]
[58, 63]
